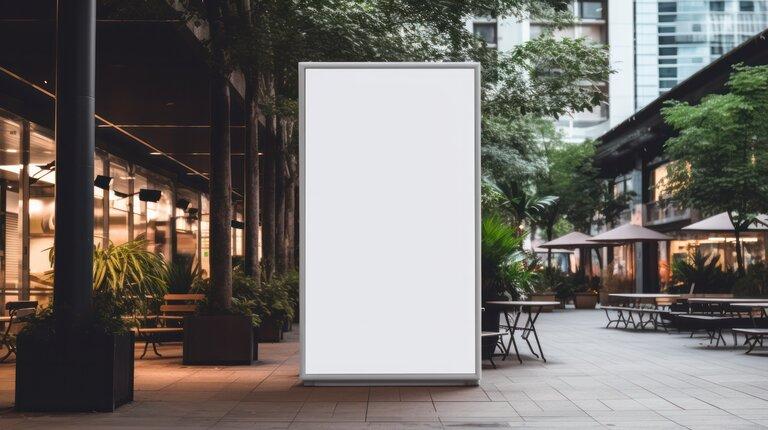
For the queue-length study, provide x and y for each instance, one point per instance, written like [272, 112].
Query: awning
[629, 233]
[721, 223]
[540, 250]
[570, 240]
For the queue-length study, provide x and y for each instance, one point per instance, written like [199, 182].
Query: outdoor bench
[712, 324]
[17, 311]
[625, 315]
[754, 336]
[168, 326]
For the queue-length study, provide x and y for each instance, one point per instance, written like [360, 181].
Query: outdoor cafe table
[513, 310]
[636, 299]
[753, 307]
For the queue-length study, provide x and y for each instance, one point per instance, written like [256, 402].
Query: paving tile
[401, 411]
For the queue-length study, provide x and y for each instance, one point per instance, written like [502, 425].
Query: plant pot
[218, 339]
[287, 326]
[78, 373]
[585, 300]
[270, 330]
[544, 297]
[256, 338]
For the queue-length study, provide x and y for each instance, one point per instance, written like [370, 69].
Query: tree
[719, 159]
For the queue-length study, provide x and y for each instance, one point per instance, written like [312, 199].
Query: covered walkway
[594, 378]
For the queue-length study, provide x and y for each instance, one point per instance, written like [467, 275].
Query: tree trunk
[251, 252]
[280, 194]
[221, 196]
[268, 200]
[737, 235]
[290, 225]
[221, 166]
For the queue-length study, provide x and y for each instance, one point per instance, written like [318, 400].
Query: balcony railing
[664, 211]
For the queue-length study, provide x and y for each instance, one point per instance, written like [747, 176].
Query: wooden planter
[271, 330]
[77, 374]
[544, 297]
[585, 300]
[218, 339]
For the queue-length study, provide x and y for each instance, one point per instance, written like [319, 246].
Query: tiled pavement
[595, 378]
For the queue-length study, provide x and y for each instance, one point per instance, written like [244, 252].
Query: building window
[666, 29]
[716, 50]
[667, 72]
[717, 6]
[485, 31]
[591, 10]
[667, 7]
[747, 6]
[667, 51]
[187, 223]
[665, 83]
[667, 18]
[667, 60]
[696, 28]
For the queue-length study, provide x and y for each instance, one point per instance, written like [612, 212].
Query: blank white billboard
[389, 222]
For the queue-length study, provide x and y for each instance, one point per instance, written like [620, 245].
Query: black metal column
[75, 104]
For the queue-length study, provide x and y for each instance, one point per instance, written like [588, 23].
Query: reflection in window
[119, 202]
[10, 239]
[485, 31]
[187, 222]
[42, 180]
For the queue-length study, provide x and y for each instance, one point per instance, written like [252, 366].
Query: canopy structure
[629, 233]
[570, 240]
[542, 250]
[722, 223]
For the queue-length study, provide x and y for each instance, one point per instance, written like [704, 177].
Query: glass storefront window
[187, 223]
[119, 202]
[42, 185]
[10, 233]
[237, 233]
[205, 217]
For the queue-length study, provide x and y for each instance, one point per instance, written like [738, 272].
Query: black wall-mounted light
[238, 224]
[102, 182]
[182, 204]
[47, 168]
[145, 195]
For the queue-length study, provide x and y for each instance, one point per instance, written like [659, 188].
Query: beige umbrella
[629, 233]
[720, 223]
[570, 240]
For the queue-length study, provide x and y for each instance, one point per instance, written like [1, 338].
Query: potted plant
[224, 336]
[276, 306]
[551, 286]
[87, 364]
[585, 291]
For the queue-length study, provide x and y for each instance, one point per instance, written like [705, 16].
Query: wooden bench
[753, 335]
[17, 311]
[625, 315]
[169, 325]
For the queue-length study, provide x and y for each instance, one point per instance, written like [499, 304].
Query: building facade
[653, 45]
[676, 38]
[631, 158]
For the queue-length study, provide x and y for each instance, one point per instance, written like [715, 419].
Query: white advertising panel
[390, 222]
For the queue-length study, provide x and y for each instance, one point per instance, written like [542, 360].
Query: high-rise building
[653, 45]
[676, 38]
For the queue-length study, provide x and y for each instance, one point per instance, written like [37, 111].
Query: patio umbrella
[629, 233]
[570, 240]
[541, 250]
[720, 223]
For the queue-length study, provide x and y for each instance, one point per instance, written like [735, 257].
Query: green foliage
[183, 273]
[754, 283]
[611, 205]
[267, 299]
[127, 279]
[720, 155]
[517, 205]
[505, 267]
[702, 271]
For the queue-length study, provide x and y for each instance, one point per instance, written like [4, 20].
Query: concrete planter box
[585, 300]
[77, 374]
[544, 297]
[218, 339]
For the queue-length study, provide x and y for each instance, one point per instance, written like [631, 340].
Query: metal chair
[17, 311]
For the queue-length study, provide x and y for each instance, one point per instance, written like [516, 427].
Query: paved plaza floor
[594, 378]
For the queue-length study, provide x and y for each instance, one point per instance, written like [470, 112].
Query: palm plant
[517, 203]
[129, 272]
[703, 272]
[505, 272]
[183, 273]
